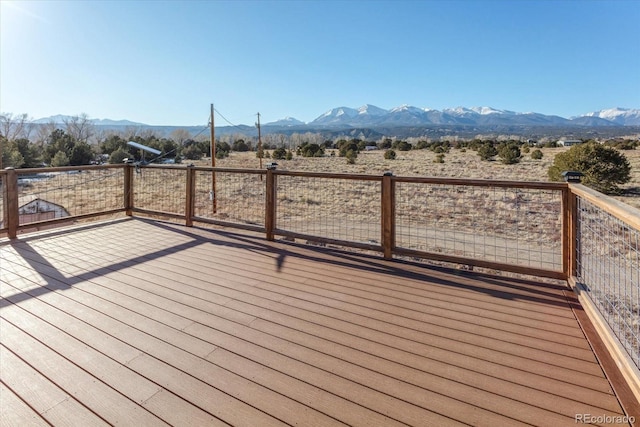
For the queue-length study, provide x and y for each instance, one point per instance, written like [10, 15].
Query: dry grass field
[457, 164]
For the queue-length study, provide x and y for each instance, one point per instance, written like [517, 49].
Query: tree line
[76, 142]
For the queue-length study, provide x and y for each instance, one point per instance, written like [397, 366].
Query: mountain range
[371, 116]
[406, 115]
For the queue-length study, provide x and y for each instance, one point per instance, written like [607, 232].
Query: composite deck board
[219, 328]
[366, 282]
[395, 407]
[477, 314]
[480, 308]
[371, 282]
[47, 402]
[425, 349]
[16, 412]
[196, 366]
[504, 324]
[289, 292]
[258, 270]
[519, 344]
[96, 395]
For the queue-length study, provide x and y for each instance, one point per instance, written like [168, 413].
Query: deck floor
[145, 323]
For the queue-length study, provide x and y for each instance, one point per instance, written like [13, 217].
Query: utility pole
[213, 162]
[260, 153]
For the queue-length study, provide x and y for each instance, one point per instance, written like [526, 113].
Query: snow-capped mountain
[372, 117]
[337, 115]
[371, 110]
[407, 115]
[287, 121]
[620, 116]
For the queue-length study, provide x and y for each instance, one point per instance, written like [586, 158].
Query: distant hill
[404, 121]
[61, 119]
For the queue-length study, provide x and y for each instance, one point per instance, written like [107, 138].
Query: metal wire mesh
[240, 197]
[160, 189]
[57, 194]
[334, 208]
[515, 226]
[3, 226]
[608, 263]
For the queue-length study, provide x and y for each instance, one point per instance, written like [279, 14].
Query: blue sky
[164, 63]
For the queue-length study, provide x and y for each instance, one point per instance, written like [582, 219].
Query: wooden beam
[388, 215]
[11, 197]
[189, 199]
[270, 205]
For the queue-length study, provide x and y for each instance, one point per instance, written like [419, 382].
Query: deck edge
[618, 367]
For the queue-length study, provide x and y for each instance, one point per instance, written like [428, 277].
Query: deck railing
[605, 268]
[35, 198]
[556, 230]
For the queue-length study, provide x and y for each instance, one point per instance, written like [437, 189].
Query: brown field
[457, 164]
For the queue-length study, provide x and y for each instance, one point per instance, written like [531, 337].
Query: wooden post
[188, 209]
[260, 153]
[128, 189]
[271, 201]
[566, 234]
[388, 237]
[213, 162]
[11, 199]
[574, 233]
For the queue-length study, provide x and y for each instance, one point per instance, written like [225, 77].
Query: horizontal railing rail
[605, 269]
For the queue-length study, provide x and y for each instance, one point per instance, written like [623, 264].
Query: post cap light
[572, 176]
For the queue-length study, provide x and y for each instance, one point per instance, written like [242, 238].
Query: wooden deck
[142, 323]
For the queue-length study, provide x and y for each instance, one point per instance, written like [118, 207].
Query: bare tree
[148, 133]
[44, 131]
[131, 132]
[80, 127]
[15, 127]
[270, 139]
[180, 135]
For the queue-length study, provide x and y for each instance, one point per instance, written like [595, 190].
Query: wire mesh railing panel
[514, 226]
[240, 197]
[58, 194]
[608, 265]
[160, 189]
[333, 208]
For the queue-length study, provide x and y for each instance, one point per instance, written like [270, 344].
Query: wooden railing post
[567, 235]
[11, 199]
[388, 229]
[188, 209]
[128, 189]
[271, 201]
[574, 233]
[570, 227]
